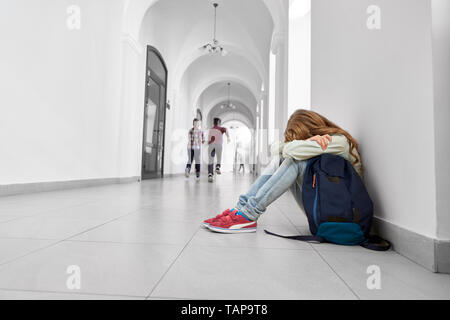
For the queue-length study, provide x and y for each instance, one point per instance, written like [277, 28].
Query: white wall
[441, 56]
[272, 101]
[299, 55]
[378, 85]
[60, 91]
[131, 108]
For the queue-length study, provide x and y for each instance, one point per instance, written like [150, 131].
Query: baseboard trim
[442, 256]
[173, 175]
[432, 254]
[413, 246]
[26, 188]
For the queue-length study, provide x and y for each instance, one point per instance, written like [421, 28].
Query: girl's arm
[276, 148]
[306, 149]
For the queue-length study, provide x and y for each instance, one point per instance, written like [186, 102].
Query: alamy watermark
[373, 282]
[73, 281]
[73, 21]
[374, 18]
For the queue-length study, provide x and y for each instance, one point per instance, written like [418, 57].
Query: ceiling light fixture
[214, 47]
[229, 104]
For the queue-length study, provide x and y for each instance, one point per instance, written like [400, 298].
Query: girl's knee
[287, 161]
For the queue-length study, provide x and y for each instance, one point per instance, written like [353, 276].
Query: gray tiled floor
[144, 241]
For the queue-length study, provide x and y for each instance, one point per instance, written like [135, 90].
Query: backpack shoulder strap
[376, 243]
[312, 239]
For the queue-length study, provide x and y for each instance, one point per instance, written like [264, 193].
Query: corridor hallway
[129, 246]
[97, 105]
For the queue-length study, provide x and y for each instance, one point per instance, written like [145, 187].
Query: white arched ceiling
[218, 92]
[223, 80]
[241, 113]
[279, 11]
[252, 58]
[135, 11]
[223, 99]
[213, 109]
[203, 72]
[176, 27]
[170, 28]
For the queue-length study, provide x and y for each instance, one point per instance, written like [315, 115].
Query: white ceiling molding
[134, 16]
[128, 39]
[278, 9]
[214, 79]
[278, 40]
[187, 59]
[251, 114]
[137, 9]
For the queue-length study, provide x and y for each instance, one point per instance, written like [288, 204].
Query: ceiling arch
[207, 110]
[207, 72]
[227, 115]
[195, 54]
[168, 25]
[135, 11]
[223, 79]
[219, 90]
[214, 109]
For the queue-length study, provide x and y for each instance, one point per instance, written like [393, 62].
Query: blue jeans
[275, 180]
[214, 149]
[193, 154]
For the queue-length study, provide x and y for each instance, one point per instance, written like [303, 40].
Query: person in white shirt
[215, 141]
[195, 140]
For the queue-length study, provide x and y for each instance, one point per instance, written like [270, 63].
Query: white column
[131, 108]
[280, 49]
[264, 150]
[441, 52]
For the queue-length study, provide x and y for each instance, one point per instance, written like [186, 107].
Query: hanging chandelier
[228, 104]
[214, 47]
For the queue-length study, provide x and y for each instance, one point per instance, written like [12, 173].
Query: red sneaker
[233, 222]
[207, 222]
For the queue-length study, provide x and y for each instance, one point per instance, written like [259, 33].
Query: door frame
[160, 82]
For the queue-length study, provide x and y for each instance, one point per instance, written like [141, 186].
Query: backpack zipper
[315, 200]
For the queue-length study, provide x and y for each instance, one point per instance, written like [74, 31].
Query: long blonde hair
[304, 124]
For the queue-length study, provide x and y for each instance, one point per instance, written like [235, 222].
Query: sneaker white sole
[223, 230]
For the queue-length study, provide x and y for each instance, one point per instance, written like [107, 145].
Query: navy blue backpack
[337, 204]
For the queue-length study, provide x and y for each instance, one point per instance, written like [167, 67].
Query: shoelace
[223, 214]
[228, 219]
